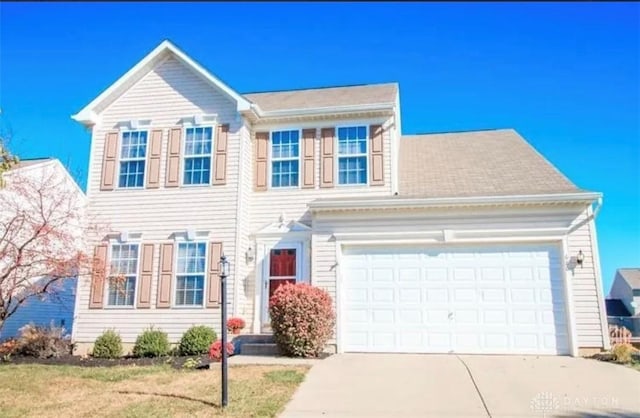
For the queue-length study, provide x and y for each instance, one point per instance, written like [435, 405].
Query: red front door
[282, 268]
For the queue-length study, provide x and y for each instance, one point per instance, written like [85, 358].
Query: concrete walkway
[407, 386]
[268, 360]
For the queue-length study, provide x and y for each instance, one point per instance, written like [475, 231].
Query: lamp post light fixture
[580, 258]
[224, 273]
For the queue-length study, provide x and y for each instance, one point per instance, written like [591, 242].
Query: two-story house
[458, 242]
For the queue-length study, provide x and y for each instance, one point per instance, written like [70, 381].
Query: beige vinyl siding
[266, 206]
[586, 307]
[165, 95]
[246, 285]
[585, 288]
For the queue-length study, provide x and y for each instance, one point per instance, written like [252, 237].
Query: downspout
[588, 218]
[239, 206]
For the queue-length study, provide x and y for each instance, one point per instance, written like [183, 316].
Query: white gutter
[590, 217]
[321, 110]
[585, 197]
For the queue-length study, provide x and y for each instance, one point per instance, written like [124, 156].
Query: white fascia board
[87, 115]
[322, 110]
[584, 197]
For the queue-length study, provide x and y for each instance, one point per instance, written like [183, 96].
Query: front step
[259, 349]
[255, 345]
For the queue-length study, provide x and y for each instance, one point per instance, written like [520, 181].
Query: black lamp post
[224, 273]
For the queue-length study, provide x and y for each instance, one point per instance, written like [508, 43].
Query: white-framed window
[198, 146]
[123, 274]
[285, 158]
[133, 154]
[352, 155]
[190, 273]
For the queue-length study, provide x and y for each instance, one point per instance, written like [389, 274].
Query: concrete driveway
[407, 385]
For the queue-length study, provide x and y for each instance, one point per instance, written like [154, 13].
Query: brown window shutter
[109, 160]
[220, 160]
[261, 155]
[172, 177]
[146, 273]
[213, 283]
[166, 276]
[153, 159]
[376, 155]
[327, 156]
[98, 274]
[308, 158]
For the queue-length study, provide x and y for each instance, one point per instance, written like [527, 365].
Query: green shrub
[302, 319]
[151, 343]
[196, 340]
[108, 345]
[623, 353]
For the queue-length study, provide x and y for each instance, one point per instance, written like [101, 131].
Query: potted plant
[234, 325]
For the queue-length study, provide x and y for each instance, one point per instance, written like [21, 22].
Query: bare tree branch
[44, 236]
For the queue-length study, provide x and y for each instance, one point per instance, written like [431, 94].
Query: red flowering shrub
[302, 319]
[215, 351]
[235, 324]
[8, 347]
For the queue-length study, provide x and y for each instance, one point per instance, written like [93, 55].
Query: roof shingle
[631, 276]
[477, 163]
[325, 97]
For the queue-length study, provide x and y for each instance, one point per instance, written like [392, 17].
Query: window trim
[120, 159]
[337, 155]
[270, 157]
[106, 304]
[183, 154]
[177, 243]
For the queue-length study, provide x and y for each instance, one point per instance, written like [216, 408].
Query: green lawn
[150, 391]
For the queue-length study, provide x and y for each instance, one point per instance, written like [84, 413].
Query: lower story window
[123, 274]
[189, 290]
[190, 273]
[121, 291]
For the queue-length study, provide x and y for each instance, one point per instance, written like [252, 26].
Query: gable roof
[325, 97]
[476, 163]
[88, 114]
[42, 163]
[31, 161]
[631, 276]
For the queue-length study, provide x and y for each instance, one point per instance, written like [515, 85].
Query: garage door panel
[409, 274]
[503, 299]
[437, 295]
[410, 295]
[436, 274]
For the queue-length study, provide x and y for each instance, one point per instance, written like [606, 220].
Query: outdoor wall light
[249, 254]
[580, 258]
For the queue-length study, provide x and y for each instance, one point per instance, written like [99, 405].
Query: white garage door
[493, 300]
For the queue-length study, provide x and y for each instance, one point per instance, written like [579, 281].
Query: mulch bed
[69, 360]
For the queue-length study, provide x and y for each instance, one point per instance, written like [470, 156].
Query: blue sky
[566, 76]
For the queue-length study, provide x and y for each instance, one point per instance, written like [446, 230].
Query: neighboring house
[55, 308]
[458, 242]
[623, 303]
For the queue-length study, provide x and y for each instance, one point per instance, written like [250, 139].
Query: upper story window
[352, 155]
[197, 155]
[123, 274]
[133, 155]
[190, 273]
[285, 158]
